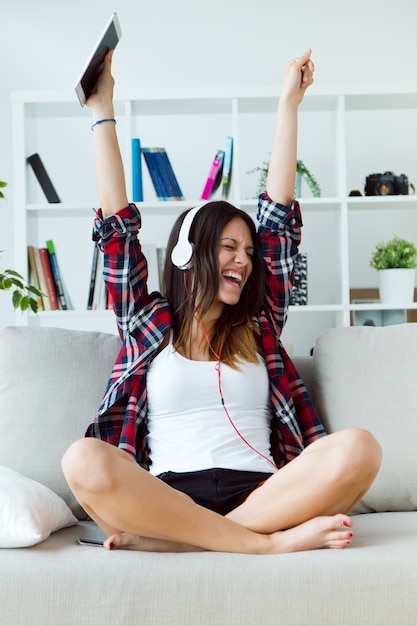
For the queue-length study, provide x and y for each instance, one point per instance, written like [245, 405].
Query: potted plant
[301, 173]
[23, 296]
[396, 263]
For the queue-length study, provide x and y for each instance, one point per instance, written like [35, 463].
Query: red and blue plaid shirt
[144, 320]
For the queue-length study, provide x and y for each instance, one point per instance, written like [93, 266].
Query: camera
[387, 184]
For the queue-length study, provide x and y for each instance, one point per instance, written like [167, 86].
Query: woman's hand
[282, 164]
[109, 166]
[298, 77]
[101, 99]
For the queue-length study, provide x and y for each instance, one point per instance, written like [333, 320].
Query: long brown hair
[234, 329]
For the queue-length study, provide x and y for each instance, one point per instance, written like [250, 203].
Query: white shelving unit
[342, 138]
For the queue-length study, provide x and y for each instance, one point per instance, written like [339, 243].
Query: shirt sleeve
[125, 268]
[280, 236]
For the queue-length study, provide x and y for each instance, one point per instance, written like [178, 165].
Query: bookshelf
[343, 137]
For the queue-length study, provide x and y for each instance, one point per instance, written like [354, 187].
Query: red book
[49, 278]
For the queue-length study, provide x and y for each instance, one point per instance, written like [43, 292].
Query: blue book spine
[227, 168]
[174, 189]
[137, 188]
[56, 275]
[151, 160]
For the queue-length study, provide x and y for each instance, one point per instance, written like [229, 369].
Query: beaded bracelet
[107, 119]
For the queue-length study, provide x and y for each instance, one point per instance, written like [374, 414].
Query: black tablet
[108, 41]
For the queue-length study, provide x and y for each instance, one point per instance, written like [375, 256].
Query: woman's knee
[86, 463]
[361, 454]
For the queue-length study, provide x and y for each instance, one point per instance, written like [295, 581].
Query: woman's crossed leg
[302, 506]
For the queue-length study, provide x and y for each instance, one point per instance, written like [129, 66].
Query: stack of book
[163, 176]
[46, 276]
[161, 172]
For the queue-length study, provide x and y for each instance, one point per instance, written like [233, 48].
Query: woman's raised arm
[283, 160]
[109, 166]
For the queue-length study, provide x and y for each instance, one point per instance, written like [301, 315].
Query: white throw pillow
[29, 511]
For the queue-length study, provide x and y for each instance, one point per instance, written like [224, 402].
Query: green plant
[396, 254]
[301, 171]
[309, 178]
[22, 294]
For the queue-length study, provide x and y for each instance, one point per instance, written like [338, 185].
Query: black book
[43, 178]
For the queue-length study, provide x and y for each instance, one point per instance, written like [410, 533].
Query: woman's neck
[199, 347]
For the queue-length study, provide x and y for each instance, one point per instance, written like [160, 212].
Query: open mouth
[233, 277]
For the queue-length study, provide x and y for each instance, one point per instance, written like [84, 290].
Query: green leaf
[6, 283]
[35, 290]
[33, 305]
[17, 283]
[397, 253]
[24, 303]
[13, 273]
[16, 299]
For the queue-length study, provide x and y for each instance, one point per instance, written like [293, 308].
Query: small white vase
[396, 286]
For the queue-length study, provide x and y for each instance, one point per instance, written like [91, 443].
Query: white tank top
[188, 426]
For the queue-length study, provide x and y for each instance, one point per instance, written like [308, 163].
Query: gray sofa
[51, 382]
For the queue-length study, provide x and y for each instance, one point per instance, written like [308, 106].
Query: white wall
[44, 43]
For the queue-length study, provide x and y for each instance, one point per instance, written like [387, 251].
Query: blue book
[155, 171]
[227, 168]
[137, 188]
[57, 275]
[174, 190]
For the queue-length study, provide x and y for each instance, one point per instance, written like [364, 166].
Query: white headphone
[183, 250]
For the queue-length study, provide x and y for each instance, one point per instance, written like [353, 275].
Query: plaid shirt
[144, 320]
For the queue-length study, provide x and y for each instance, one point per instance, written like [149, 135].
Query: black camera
[387, 184]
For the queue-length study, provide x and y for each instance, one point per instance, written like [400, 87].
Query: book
[214, 176]
[299, 293]
[137, 188]
[57, 275]
[99, 293]
[161, 254]
[35, 270]
[93, 275]
[150, 253]
[174, 190]
[41, 174]
[154, 172]
[227, 168]
[162, 174]
[48, 276]
[45, 300]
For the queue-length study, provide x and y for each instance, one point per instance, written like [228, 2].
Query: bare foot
[320, 532]
[129, 541]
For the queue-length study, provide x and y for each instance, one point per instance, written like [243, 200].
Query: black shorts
[220, 490]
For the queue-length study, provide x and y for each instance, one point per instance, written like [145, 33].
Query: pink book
[215, 176]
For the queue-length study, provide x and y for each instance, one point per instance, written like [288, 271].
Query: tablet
[89, 76]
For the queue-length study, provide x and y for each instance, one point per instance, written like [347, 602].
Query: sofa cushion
[51, 383]
[29, 511]
[366, 377]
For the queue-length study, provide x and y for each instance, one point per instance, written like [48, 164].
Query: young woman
[206, 438]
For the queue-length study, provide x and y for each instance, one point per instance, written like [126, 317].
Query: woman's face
[235, 254]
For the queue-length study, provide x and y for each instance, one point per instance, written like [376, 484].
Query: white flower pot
[396, 286]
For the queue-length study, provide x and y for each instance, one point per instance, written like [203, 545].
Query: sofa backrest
[52, 381]
[51, 384]
[366, 377]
